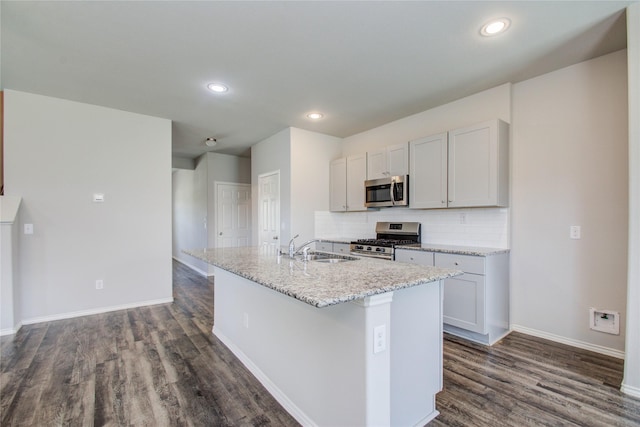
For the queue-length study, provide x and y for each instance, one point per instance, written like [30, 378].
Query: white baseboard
[275, 391]
[570, 341]
[100, 310]
[10, 331]
[630, 390]
[193, 267]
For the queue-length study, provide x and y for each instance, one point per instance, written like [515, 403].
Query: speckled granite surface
[335, 241]
[460, 250]
[316, 283]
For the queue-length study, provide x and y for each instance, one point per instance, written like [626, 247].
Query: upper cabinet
[466, 167]
[428, 172]
[389, 161]
[347, 183]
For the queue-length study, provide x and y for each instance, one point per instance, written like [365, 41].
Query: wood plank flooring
[161, 366]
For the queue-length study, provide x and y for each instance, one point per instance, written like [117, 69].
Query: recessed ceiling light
[495, 27]
[217, 87]
[315, 116]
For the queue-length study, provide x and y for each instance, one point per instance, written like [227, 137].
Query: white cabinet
[389, 161]
[338, 183]
[414, 257]
[478, 173]
[347, 178]
[466, 167]
[476, 303]
[324, 246]
[428, 172]
[340, 248]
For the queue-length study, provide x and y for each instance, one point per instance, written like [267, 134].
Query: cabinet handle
[456, 263]
[220, 234]
[274, 237]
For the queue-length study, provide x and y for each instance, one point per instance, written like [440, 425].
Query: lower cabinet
[476, 303]
[340, 248]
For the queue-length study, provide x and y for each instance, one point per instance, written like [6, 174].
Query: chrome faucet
[293, 251]
[292, 246]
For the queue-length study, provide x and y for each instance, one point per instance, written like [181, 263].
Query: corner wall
[58, 154]
[569, 167]
[270, 155]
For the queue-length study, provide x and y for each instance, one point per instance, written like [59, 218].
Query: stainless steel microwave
[389, 191]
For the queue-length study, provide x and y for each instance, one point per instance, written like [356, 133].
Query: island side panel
[416, 359]
[318, 362]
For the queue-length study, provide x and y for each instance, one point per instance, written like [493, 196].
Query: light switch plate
[28, 229]
[575, 232]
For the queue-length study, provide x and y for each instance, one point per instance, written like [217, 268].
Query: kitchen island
[352, 343]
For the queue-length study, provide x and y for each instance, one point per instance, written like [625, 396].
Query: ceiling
[360, 63]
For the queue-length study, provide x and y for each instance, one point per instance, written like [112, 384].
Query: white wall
[270, 155]
[302, 157]
[189, 211]
[58, 154]
[631, 382]
[569, 167]
[489, 104]
[311, 153]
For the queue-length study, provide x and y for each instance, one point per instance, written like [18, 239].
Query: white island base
[324, 365]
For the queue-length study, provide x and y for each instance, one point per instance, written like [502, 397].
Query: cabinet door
[398, 159]
[428, 172]
[414, 257]
[377, 164]
[473, 165]
[324, 246]
[356, 176]
[464, 302]
[341, 248]
[338, 183]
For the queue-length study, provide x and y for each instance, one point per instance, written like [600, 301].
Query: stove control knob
[379, 250]
[368, 248]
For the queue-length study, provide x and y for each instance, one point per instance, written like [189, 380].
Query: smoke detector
[211, 142]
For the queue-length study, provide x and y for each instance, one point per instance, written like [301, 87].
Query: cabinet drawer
[324, 246]
[414, 257]
[341, 248]
[466, 263]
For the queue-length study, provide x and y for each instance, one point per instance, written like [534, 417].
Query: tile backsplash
[484, 227]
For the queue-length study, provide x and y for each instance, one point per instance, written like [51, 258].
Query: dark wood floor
[161, 365]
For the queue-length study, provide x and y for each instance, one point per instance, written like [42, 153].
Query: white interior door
[233, 218]
[269, 209]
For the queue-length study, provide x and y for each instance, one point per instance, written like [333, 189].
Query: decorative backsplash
[483, 227]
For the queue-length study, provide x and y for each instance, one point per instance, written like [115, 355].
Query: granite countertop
[316, 283]
[459, 250]
[332, 240]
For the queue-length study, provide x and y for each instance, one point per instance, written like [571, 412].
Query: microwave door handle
[392, 188]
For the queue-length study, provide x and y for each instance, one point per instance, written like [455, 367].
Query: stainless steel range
[388, 236]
